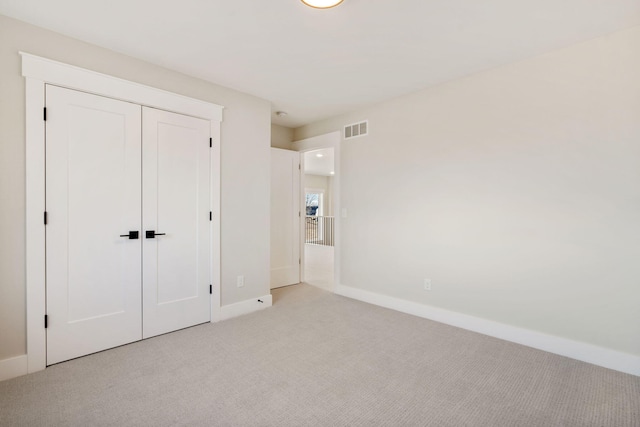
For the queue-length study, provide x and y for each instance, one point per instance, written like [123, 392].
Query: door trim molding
[39, 71]
[72, 77]
[328, 140]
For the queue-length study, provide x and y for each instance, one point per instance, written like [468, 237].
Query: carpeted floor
[315, 358]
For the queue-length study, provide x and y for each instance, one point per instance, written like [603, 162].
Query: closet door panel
[285, 217]
[176, 221]
[93, 195]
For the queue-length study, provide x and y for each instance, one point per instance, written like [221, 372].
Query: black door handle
[151, 234]
[133, 235]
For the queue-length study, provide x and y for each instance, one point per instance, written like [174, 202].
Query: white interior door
[93, 196]
[285, 217]
[176, 206]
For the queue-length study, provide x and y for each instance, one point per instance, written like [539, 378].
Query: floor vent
[356, 129]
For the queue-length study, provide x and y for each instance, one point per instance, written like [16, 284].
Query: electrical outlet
[427, 284]
[240, 281]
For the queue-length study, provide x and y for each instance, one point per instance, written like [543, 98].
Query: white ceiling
[314, 63]
[319, 162]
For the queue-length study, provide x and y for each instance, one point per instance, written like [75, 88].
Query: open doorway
[318, 182]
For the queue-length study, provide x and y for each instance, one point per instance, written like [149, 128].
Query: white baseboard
[245, 307]
[14, 367]
[589, 353]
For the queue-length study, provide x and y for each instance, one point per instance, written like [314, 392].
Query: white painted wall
[245, 137]
[516, 190]
[281, 137]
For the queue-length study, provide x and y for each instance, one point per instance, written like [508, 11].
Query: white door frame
[329, 140]
[39, 71]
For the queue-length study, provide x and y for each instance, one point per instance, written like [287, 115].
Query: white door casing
[93, 197]
[38, 72]
[175, 203]
[332, 139]
[285, 217]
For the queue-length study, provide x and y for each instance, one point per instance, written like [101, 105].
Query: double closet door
[127, 222]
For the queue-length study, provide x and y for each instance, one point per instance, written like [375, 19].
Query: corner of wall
[281, 137]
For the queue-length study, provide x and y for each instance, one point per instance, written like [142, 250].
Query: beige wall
[516, 190]
[245, 167]
[281, 137]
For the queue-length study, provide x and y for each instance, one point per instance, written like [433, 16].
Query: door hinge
[211, 289]
[300, 261]
[299, 214]
[210, 216]
[45, 114]
[46, 321]
[45, 218]
[299, 167]
[210, 142]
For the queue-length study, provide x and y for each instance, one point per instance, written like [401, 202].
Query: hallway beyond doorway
[318, 266]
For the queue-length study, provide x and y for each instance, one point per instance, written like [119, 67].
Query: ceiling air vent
[356, 129]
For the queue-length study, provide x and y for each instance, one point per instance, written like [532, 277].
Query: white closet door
[285, 217]
[176, 208]
[93, 196]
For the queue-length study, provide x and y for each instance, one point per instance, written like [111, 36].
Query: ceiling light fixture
[322, 4]
[319, 155]
[281, 113]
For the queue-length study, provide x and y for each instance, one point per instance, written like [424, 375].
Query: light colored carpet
[315, 358]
